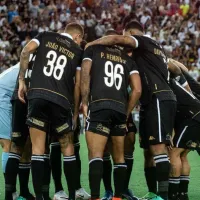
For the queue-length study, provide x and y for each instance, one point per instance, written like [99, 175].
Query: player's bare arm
[77, 94]
[24, 58]
[175, 67]
[24, 61]
[178, 64]
[136, 91]
[115, 40]
[85, 84]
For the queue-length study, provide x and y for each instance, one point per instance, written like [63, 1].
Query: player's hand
[22, 91]
[88, 44]
[85, 110]
[171, 146]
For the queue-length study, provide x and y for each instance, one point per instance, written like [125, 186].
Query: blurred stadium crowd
[175, 23]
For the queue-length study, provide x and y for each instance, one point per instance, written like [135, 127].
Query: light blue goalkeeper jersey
[8, 80]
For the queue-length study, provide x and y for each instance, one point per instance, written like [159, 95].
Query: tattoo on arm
[85, 81]
[24, 60]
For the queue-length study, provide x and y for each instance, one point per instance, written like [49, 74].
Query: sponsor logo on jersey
[151, 138]
[192, 144]
[62, 128]
[36, 122]
[16, 134]
[103, 129]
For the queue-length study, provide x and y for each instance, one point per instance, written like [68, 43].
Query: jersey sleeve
[139, 40]
[88, 53]
[133, 68]
[182, 80]
[37, 38]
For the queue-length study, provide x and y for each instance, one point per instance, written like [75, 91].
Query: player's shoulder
[10, 71]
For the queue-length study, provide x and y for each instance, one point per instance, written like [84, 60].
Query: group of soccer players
[55, 76]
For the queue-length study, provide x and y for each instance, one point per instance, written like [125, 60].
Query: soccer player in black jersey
[158, 102]
[187, 126]
[128, 154]
[193, 86]
[105, 76]
[51, 96]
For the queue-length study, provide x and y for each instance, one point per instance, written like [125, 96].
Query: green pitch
[137, 180]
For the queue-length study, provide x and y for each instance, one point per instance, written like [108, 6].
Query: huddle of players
[103, 79]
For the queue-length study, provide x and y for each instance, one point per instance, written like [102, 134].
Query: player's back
[7, 85]
[152, 62]
[54, 68]
[109, 77]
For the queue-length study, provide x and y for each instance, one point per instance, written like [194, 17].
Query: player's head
[133, 28]
[111, 32]
[76, 31]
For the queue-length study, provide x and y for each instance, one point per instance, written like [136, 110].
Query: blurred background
[174, 23]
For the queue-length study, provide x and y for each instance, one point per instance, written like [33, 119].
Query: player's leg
[24, 171]
[97, 132]
[150, 174]
[80, 192]
[185, 176]
[38, 117]
[160, 115]
[5, 144]
[175, 172]
[5, 137]
[129, 146]
[69, 159]
[186, 137]
[107, 172]
[47, 171]
[56, 167]
[118, 134]
[19, 136]
[149, 164]
[62, 126]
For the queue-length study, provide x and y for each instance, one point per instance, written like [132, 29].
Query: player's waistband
[49, 96]
[107, 104]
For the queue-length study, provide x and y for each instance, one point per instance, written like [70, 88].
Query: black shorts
[131, 128]
[20, 130]
[187, 135]
[156, 122]
[106, 122]
[43, 114]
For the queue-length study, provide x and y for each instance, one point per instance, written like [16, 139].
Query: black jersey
[109, 77]
[188, 106]
[57, 59]
[27, 77]
[152, 64]
[194, 85]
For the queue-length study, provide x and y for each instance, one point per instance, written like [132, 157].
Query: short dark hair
[111, 32]
[134, 25]
[74, 27]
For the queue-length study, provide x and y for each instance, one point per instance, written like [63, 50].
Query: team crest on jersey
[62, 128]
[103, 129]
